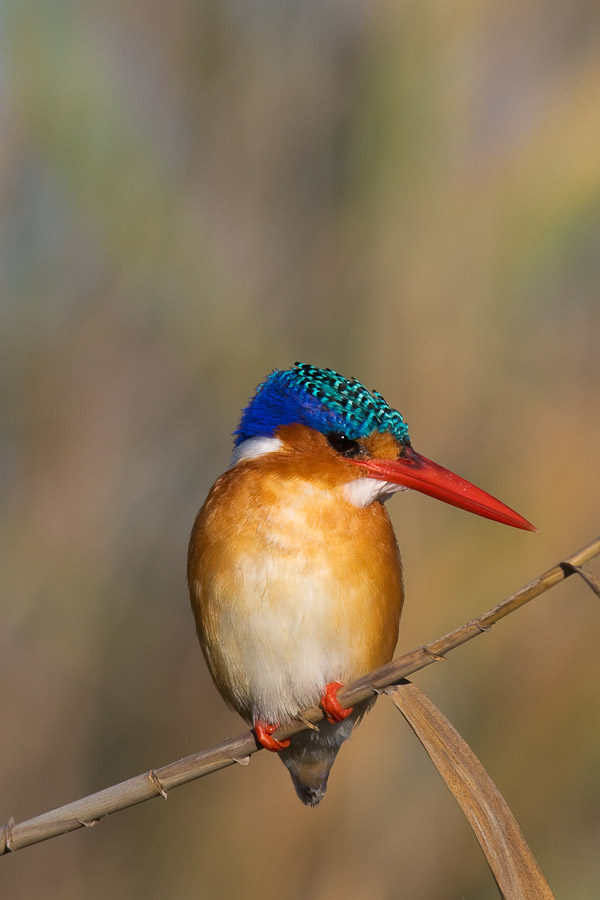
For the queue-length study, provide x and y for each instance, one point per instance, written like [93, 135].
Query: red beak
[415, 471]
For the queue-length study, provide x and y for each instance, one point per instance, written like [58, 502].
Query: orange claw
[331, 705]
[263, 732]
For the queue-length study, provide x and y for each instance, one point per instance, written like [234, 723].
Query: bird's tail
[311, 755]
[309, 775]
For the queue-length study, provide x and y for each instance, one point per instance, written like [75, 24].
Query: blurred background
[195, 193]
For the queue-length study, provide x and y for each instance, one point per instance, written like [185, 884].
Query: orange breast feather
[292, 587]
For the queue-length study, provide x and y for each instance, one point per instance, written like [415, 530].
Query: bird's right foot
[334, 711]
[264, 731]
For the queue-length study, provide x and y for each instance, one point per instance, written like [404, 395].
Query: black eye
[344, 445]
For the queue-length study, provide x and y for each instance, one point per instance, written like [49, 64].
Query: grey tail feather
[310, 776]
[311, 755]
[310, 795]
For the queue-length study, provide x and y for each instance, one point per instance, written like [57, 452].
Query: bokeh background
[193, 193]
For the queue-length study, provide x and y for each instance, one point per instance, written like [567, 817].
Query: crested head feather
[321, 399]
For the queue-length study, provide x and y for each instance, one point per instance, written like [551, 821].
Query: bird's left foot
[330, 704]
[264, 732]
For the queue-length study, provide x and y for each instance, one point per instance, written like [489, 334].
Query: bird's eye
[344, 445]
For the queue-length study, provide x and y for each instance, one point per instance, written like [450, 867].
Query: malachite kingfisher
[294, 571]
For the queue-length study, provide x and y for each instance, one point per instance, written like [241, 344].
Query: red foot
[263, 732]
[331, 705]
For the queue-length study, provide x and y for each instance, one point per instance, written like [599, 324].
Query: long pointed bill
[415, 471]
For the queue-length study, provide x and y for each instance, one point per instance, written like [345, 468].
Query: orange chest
[293, 573]
[294, 525]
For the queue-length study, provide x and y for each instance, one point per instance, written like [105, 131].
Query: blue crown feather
[321, 399]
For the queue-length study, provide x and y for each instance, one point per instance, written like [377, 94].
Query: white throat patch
[364, 491]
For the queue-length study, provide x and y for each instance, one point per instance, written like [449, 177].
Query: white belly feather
[291, 598]
[283, 635]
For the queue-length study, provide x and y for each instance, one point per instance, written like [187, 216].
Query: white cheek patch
[253, 447]
[363, 491]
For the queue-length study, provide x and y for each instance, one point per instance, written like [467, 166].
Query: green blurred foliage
[192, 195]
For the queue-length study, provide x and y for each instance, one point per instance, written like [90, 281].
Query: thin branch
[591, 582]
[158, 782]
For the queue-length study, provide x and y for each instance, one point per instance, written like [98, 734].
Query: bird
[294, 571]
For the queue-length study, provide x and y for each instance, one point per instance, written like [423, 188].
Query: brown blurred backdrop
[194, 193]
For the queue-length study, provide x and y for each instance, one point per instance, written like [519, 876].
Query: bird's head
[333, 428]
